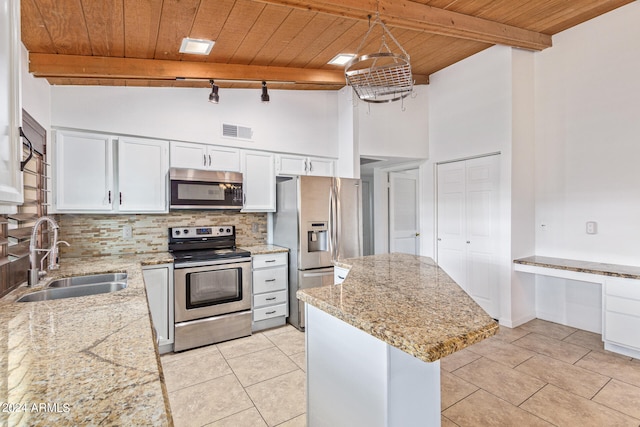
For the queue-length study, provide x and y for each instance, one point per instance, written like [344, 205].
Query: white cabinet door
[223, 159]
[201, 156]
[142, 175]
[259, 175]
[621, 313]
[320, 167]
[468, 227]
[10, 112]
[188, 155]
[292, 165]
[159, 285]
[83, 166]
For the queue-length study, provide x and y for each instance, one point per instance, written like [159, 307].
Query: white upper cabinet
[290, 164]
[201, 156]
[85, 181]
[83, 169]
[142, 175]
[259, 186]
[10, 145]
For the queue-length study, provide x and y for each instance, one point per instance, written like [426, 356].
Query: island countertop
[406, 301]
[83, 361]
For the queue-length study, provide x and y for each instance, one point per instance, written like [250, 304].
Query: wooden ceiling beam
[94, 67]
[416, 16]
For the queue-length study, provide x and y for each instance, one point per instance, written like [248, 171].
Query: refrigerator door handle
[331, 223]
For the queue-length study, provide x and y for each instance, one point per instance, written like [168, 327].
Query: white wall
[303, 122]
[587, 145]
[395, 129]
[586, 155]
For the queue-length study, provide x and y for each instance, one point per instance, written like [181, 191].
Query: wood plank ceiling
[286, 42]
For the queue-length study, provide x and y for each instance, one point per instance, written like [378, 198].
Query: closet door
[468, 220]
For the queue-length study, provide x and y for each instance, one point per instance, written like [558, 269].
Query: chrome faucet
[34, 273]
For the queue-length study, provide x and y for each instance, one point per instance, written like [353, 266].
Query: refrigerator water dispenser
[317, 237]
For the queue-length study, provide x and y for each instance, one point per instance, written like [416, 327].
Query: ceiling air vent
[236, 131]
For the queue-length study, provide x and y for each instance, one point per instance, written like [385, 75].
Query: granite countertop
[91, 359]
[614, 270]
[265, 249]
[406, 301]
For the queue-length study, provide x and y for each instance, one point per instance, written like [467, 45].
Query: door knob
[468, 241]
[417, 234]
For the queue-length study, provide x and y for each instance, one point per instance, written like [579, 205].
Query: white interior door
[468, 216]
[403, 212]
[451, 221]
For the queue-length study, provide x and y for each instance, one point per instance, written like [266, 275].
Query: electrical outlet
[592, 227]
[255, 227]
[127, 232]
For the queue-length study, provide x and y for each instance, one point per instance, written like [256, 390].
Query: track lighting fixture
[214, 98]
[265, 93]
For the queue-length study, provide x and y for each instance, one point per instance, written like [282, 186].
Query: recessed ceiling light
[341, 58]
[196, 46]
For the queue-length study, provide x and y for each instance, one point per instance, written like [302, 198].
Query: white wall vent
[236, 131]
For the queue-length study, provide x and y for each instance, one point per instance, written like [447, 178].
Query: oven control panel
[196, 232]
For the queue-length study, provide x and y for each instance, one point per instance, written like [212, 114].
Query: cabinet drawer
[622, 329]
[623, 305]
[269, 312]
[269, 299]
[270, 260]
[626, 288]
[269, 279]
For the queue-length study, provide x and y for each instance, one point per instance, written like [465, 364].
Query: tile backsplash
[91, 235]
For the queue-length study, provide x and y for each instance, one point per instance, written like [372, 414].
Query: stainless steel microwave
[200, 189]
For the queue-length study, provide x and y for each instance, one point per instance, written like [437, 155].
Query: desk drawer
[626, 288]
[269, 299]
[270, 279]
[270, 260]
[269, 312]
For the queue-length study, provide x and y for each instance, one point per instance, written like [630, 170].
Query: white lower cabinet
[158, 281]
[621, 316]
[270, 289]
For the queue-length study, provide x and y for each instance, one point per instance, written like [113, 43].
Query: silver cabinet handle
[121, 197]
[270, 280]
[271, 312]
[310, 166]
[204, 160]
[109, 196]
[271, 299]
[305, 166]
[270, 260]
[209, 159]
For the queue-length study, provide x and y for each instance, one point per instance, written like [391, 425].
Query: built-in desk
[620, 286]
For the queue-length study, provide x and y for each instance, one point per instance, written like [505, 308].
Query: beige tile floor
[540, 374]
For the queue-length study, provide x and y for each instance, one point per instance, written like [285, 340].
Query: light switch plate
[127, 232]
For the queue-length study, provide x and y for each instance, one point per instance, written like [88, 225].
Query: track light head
[265, 94]
[214, 98]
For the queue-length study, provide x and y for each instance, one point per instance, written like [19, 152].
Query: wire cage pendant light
[383, 76]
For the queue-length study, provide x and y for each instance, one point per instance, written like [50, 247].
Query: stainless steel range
[212, 286]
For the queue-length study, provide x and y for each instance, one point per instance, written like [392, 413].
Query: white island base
[356, 380]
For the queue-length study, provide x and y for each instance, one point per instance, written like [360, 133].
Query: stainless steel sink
[79, 286]
[88, 280]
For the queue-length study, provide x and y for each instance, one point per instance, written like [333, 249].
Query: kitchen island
[83, 361]
[374, 342]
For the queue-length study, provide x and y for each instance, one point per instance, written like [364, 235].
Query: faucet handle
[62, 241]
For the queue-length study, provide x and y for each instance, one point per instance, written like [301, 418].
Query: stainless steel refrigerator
[320, 220]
